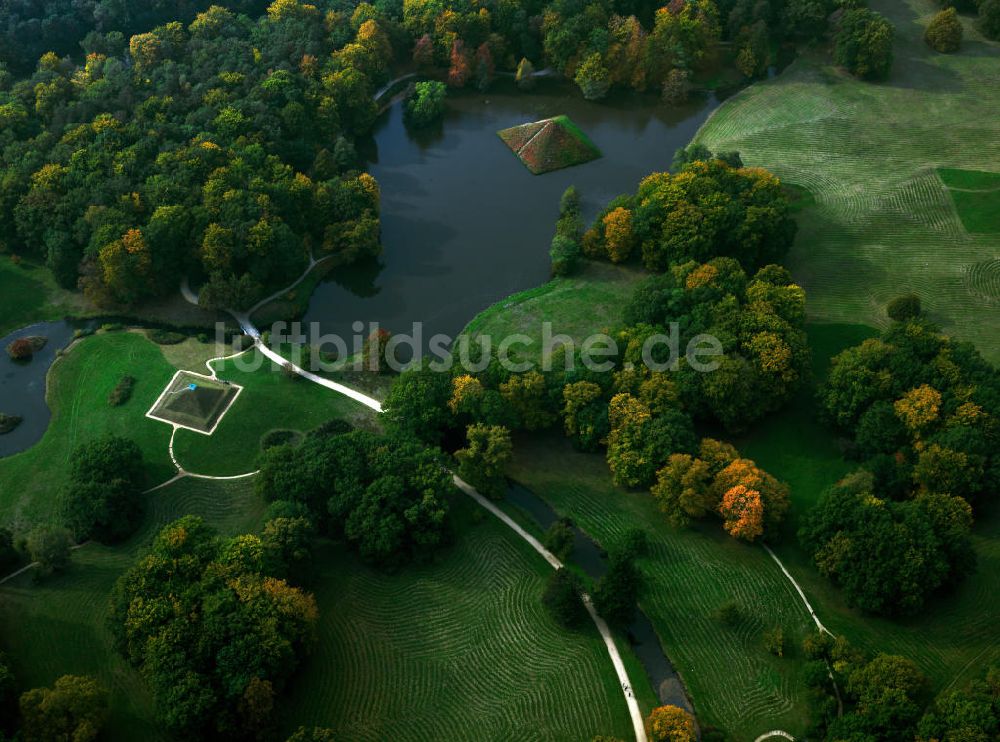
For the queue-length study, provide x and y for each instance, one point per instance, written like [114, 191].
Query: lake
[22, 385]
[464, 224]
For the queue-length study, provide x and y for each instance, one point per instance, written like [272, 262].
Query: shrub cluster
[122, 392]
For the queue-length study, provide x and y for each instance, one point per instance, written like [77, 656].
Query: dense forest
[220, 150]
[220, 147]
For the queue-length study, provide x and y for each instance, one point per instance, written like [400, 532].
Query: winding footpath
[247, 325]
[638, 724]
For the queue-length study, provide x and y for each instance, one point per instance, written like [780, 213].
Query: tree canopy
[201, 149]
[74, 709]
[385, 495]
[212, 633]
[888, 557]
[709, 209]
[105, 483]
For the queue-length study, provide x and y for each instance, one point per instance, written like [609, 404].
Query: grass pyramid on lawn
[550, 144]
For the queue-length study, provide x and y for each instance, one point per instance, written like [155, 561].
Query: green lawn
[270, 400]
[979, 210]
[27, 295]
[884, 223]
[79, 384]
[458, 649]
[734, 683]
[58, 626]
[429, 652]
[953, 638]
[793, 443]
[578, 306]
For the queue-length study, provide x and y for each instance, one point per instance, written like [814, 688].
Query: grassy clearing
[974, 180]
[793, 443]
[577, 306]
[459, 649]
[79, 384]
[883, 223]
[270, 400]
[956, 636]
[28, 294]
[977, 198]
[58, 626]
[735, 684]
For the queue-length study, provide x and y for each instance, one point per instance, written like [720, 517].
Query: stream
[593, 560]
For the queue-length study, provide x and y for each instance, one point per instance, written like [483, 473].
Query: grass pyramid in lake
[550, 144]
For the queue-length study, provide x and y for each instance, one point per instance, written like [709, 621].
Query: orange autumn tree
[750, 501]
[745, 473]
[458, 72]
[743, 513]
[670, 724]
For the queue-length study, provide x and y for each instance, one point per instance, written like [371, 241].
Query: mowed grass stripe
[458, 648]
[883, 222]
[58, 626]
[734, 683]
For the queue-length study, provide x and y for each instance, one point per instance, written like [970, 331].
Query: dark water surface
[591, 559]
[22, 385]
[464, 224]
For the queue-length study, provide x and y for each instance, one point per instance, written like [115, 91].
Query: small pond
[591, 559]
[22, 384]
[464, 224]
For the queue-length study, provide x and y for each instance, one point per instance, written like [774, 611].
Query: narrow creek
[592, 559]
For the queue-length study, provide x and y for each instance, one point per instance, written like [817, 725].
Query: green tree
[426, 104]
[106, 480]
[864, 44]
[683, 489]
[888, 557]
[74, 709]
[287, 545]
[559, 538]
[617, 592]
[963, 713]
[989, 18]
[593, 78]
[8, 696]
[585, 414]
[483, 461]
[417, 404]
[903, 308]
[944, 33]
[211, 633]
[50, 547]
[889, 693]
[562, 598]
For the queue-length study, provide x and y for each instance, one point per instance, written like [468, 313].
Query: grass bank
[79, 384]
[883, 222]
[458, 649]
[58, 626]
[577, 306]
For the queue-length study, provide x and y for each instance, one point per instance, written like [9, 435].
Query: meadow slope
[883, 222]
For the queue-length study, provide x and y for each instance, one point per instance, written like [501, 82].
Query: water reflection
[464, 224]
